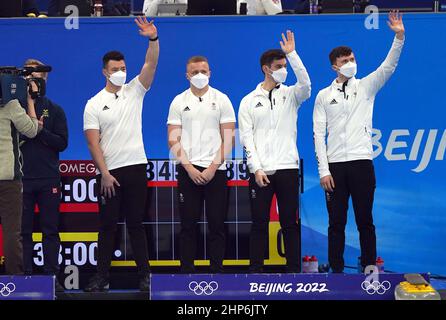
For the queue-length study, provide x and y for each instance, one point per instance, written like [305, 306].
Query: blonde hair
[195, 59]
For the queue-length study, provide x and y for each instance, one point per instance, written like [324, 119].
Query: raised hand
[396, 23]
[288, 44]
[146, 29]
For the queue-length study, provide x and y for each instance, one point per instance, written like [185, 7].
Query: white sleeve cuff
[324, 173]
[91, 127]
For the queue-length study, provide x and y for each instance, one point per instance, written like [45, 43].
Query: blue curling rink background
[409, 117]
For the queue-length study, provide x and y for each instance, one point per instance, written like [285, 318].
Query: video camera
[16, 82]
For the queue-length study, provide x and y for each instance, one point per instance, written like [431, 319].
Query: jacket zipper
[272, 103]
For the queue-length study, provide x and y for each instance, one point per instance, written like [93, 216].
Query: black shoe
[58, 286]
[144, 283]
[97, 284]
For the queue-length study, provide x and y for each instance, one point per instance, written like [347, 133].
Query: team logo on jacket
[105, 108]
[186, 109]
[213, 106]
[45, 113]
[333, 101]
[258, 105]
[253, 194]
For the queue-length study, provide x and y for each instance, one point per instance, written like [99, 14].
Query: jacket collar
[261, 92]
[336, 85]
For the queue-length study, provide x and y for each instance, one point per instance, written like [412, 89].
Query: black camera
[16, 82]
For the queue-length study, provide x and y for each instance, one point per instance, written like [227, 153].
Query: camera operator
[41, 178]
[13, 120]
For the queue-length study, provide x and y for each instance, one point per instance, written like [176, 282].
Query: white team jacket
[347, 116]
[268, 122]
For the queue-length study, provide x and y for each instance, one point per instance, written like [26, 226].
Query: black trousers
[46, 194]
[285, 184]
[190, 199]
[130, 199]
[355, 179]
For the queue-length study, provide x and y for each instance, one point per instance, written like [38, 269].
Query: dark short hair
[268, 57]
[196, 59]
[111, 55]
[337, 52]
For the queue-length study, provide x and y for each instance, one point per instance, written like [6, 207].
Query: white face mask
[118, 78]
[279, 75]
[349, 69]
[199, 80]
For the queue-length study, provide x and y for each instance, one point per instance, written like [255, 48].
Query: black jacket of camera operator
[41, 154]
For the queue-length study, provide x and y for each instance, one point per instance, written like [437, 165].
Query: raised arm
[376, 80]
[302, 88]
[26, 124]
[148, 30]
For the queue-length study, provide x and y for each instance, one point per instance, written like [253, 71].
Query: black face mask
[41, 87]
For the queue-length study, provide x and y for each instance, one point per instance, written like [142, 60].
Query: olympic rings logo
[375, 287]
[203, 287]
[6, 289]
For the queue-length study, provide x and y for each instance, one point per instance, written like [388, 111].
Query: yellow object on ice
[416, 288]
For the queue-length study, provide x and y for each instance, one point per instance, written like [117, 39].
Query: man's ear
[187, 76]
[265, 69]
[335, 68]
[104, 72]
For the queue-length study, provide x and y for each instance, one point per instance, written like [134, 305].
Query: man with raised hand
[113, 128]
[268, 132]
[344, 111]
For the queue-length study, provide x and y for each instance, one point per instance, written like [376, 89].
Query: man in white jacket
[268, 131]
[344, 111]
